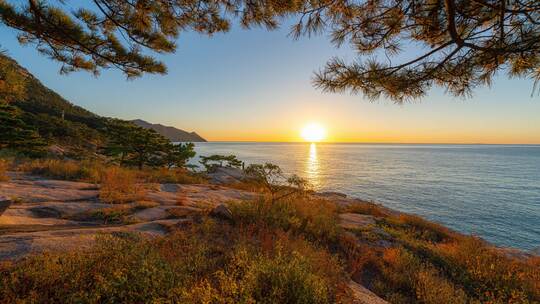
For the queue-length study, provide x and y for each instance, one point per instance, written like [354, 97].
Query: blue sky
[255, 85]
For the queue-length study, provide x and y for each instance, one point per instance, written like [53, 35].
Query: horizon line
[370, 143]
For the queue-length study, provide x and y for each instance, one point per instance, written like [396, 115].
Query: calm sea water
[492, 191]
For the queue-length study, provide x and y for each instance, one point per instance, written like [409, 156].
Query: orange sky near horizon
[468, 122]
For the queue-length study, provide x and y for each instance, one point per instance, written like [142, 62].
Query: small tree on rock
[212, 162]
[177, 155]
[276, 183]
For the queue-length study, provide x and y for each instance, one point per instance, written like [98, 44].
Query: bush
[316, 219]
[489, 274]
[119, 186]
[112, 215]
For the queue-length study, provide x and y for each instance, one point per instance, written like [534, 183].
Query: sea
[491, 191]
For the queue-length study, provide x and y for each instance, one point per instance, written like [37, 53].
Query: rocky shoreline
[47, 215]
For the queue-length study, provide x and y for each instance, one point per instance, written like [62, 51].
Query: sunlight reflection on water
[312, 167]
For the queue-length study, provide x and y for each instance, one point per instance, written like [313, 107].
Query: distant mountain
[172, 133]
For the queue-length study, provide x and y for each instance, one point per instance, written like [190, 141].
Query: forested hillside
[56, 120]
[35, 119]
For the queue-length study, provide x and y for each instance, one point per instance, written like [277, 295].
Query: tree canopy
[132, 145]
[463, 43]
[16, 135]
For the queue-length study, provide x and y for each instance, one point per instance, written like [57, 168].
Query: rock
[173, 188]
[4, 204]
[332, 194]
[362, 295]
[222, 212]
[225, 175]
[44, 212]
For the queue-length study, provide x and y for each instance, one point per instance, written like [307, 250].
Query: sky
[255, 85]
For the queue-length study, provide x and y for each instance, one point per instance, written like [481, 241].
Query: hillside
[60, 122]
[56, 120]
[172, 133]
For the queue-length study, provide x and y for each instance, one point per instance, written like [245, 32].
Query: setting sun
[313, 132]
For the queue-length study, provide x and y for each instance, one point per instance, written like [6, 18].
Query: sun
[313, 132]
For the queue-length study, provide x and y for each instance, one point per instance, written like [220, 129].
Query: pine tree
[135, 146]
[16, 135]
[177, 155]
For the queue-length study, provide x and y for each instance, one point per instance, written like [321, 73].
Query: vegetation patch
[64, 169]
[120, 186]
[172, 176]
[316, 219]
[4, 166]
[428, 263]
[211, 263]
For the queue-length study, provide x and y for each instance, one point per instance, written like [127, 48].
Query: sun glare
[313, 132]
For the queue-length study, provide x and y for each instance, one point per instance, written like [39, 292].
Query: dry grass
[247, 185]
[120, 186]
[210, 263]
[367, 208]
[4, 167]
[316, 219]
[64, 169]
[91, 171]
[141, 205]
[180, 212]
[172, 176]
[428, 263]
[490, 273]
[112, 215]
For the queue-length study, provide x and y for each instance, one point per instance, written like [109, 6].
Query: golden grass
[180, 212]
[171, 176]
[4, 167]
[428, 263]
[64, 169]
[367, 208]
[247, 185]
[120, 186]
[92, 171]
[316, 219]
